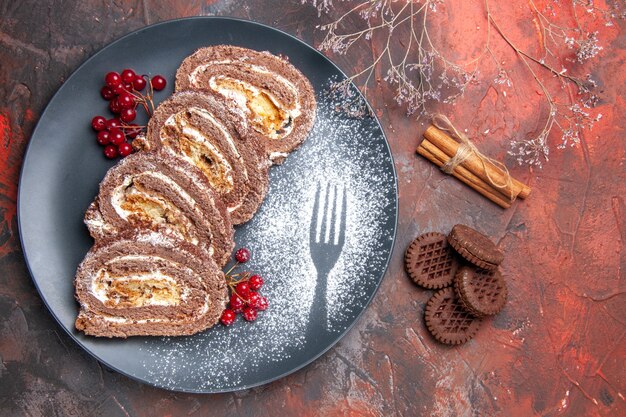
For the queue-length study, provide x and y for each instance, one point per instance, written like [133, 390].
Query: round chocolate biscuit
[447, 320]
[481, 292]
[475, 247]
[430, 261]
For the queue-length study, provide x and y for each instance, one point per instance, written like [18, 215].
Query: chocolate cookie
[481, 292]
[446, 319]
[430, 261]
[475, 247]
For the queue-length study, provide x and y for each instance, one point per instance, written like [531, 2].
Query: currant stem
[231, 268]
[150, 96]
[240, 297]
[233, 282]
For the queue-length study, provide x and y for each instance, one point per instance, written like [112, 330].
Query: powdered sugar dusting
[340, 151]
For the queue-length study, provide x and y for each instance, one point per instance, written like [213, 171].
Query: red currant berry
[158, 82]
[242, 255]
[126, 100]
[255, 282]
[125, 149]
[98, 123]
[113, 124]
[107, 93]
[104, 137]
[243, 289]
[236, 303]
[117, 136]
[114, 106]
[139, 83]
[128, 115]
[110, 151]
[112, 79]
[262, 304]
[253, 299]
[118, 89]
[228, 317]
[128, 76]
[249, 314]
[133, 130]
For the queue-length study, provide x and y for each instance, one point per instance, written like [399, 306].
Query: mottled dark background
[559, 346]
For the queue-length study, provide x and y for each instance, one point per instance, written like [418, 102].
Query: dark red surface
[559, 346]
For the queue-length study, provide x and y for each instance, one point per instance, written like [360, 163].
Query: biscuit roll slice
[277, 99]
[200, 129]
[161, 192]
[143, 283]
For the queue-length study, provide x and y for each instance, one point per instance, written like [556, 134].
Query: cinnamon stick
[450, 146]
[437, 157]
[488, 188]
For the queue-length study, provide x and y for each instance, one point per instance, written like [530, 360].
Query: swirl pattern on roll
[147, 283]
[204, 130]
[160, 192]
[276, 98]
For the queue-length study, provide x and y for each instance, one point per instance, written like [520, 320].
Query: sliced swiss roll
[200, 129]
[148, 283]
[277, 99]
[161, 192]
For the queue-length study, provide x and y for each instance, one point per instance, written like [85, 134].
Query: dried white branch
[421, 75]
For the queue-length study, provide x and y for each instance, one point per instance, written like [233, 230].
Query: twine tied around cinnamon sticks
[456, 155]
[465, 150]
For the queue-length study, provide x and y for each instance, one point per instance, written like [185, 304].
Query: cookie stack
[163, 218]
[463, 268]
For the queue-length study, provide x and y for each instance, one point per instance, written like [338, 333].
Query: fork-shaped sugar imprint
[327, 236]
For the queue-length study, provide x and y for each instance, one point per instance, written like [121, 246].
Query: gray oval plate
[350, 157]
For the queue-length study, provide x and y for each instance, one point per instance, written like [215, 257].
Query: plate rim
[220, 390]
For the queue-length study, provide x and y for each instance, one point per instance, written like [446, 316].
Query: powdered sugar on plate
[278, 237]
